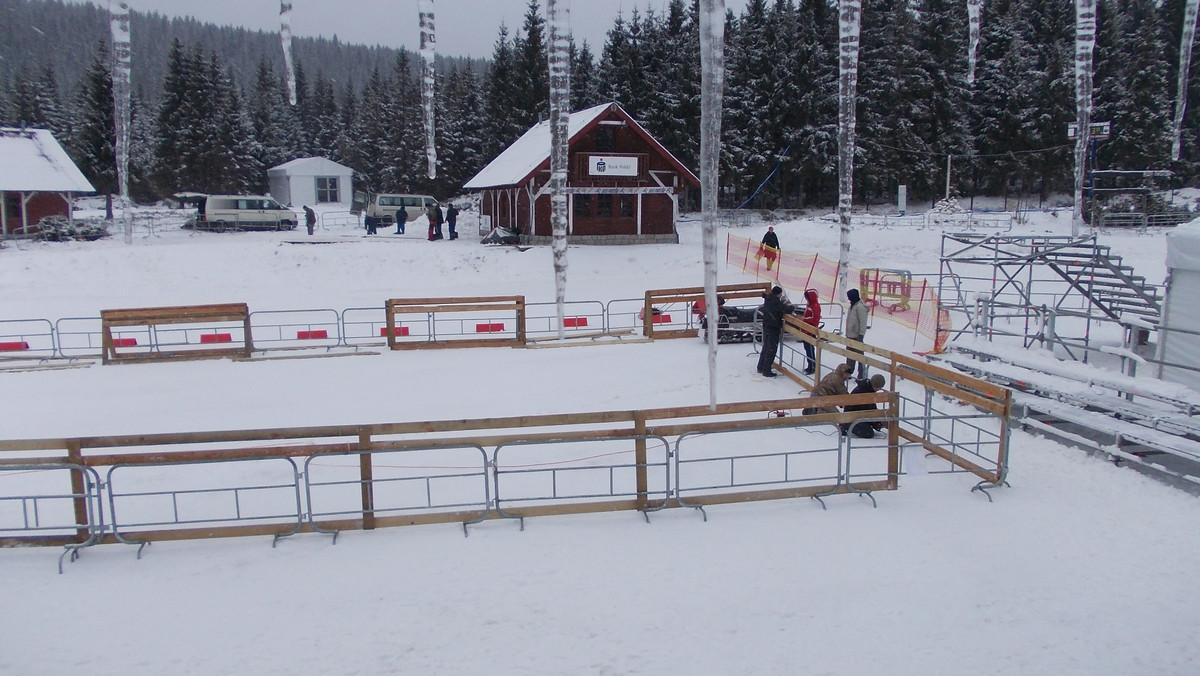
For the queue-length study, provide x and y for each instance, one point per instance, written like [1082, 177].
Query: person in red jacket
[812, 317]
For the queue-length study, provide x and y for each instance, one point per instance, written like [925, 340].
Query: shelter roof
[32, 161]
[311, 165]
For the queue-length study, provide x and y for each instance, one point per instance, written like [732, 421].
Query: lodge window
[604, 139]
[583, 206]
[626, 206]
[327, 189]
[604, 206]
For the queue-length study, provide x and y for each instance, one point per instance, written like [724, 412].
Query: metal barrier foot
[989, 484]
[73, 551]
[868, 494]
[142, 546]
[818, 499]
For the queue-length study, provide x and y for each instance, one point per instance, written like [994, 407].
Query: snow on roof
[1183, 247]
[32, 161]
[526, 153]
[310, 165]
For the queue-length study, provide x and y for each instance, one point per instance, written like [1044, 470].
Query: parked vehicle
[385, 205]
[243, 212]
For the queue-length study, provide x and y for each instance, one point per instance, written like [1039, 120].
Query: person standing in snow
[773, 309]
[310, 218]
[864, 430]
[452, 221]
[434, 213]
[769, 248]
[856, 328]
[812, 317]
[401, 219]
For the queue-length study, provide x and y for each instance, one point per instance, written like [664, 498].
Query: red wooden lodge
[623, 186]
[37, 179]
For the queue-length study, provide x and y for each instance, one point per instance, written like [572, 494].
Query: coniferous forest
[210, 110]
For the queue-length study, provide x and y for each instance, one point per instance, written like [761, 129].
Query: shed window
[327, 189]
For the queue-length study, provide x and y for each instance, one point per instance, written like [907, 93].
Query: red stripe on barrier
[13, 346]
[124, 342]
[662, 319]
[216, 338]
[400, 331]
[312, 335]
[489, 328]
[569, 322]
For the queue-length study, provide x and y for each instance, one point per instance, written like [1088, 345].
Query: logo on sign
[600, 165]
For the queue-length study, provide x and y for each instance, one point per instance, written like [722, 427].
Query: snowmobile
[734, 324]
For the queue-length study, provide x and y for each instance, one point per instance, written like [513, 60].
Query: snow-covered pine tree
[406, 168]
[94, 143]
[504, 125]
[267, 107]
[674, 44]
[816, 70]
[532, 89]
[893, 99]
[323, 121]
[1132, 89]
[585, 79]
[941, 33]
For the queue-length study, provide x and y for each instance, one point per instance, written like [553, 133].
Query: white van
[385, 206]
[243, 212]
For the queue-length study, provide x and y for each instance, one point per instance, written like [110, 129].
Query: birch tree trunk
[712, 89]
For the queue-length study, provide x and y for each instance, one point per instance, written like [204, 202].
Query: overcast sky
[464, 27]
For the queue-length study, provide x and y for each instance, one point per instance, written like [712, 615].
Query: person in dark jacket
[812, 317]
[769, 248]
[773, 309]
[864, 429]
[452, 221]
[401, 219]
[310, 218]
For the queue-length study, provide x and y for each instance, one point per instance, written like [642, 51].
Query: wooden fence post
[366, 475]
[639, 454]
[79, 491]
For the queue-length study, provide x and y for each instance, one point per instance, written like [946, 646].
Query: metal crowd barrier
[27, 338]
[296, 328]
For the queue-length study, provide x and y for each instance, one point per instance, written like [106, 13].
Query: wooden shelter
[37, 179]
[623, 186]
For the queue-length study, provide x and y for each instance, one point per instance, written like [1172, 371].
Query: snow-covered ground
[1079, 567]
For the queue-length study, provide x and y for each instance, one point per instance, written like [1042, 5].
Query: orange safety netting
[892, 294]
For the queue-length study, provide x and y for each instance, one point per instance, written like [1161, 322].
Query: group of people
[776, 306]
[436, 219]
[433, 213]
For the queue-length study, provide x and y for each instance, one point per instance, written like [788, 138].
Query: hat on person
[877, 382]
[844, 369]
[852, 294]
[770, 228]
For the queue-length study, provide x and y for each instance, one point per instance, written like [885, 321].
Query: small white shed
[311, 181]
[1179, 339]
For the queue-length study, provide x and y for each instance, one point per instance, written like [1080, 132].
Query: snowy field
[1079, 568]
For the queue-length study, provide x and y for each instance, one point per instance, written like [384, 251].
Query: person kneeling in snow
[864, 429]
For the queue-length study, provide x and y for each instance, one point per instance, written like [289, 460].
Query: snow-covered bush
[59, 229]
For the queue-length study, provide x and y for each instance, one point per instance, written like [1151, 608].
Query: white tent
[311, 181]
[1179, 339]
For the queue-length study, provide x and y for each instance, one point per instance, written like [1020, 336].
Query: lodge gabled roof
[531, 153]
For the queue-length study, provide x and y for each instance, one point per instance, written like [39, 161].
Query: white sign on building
[609, 165]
